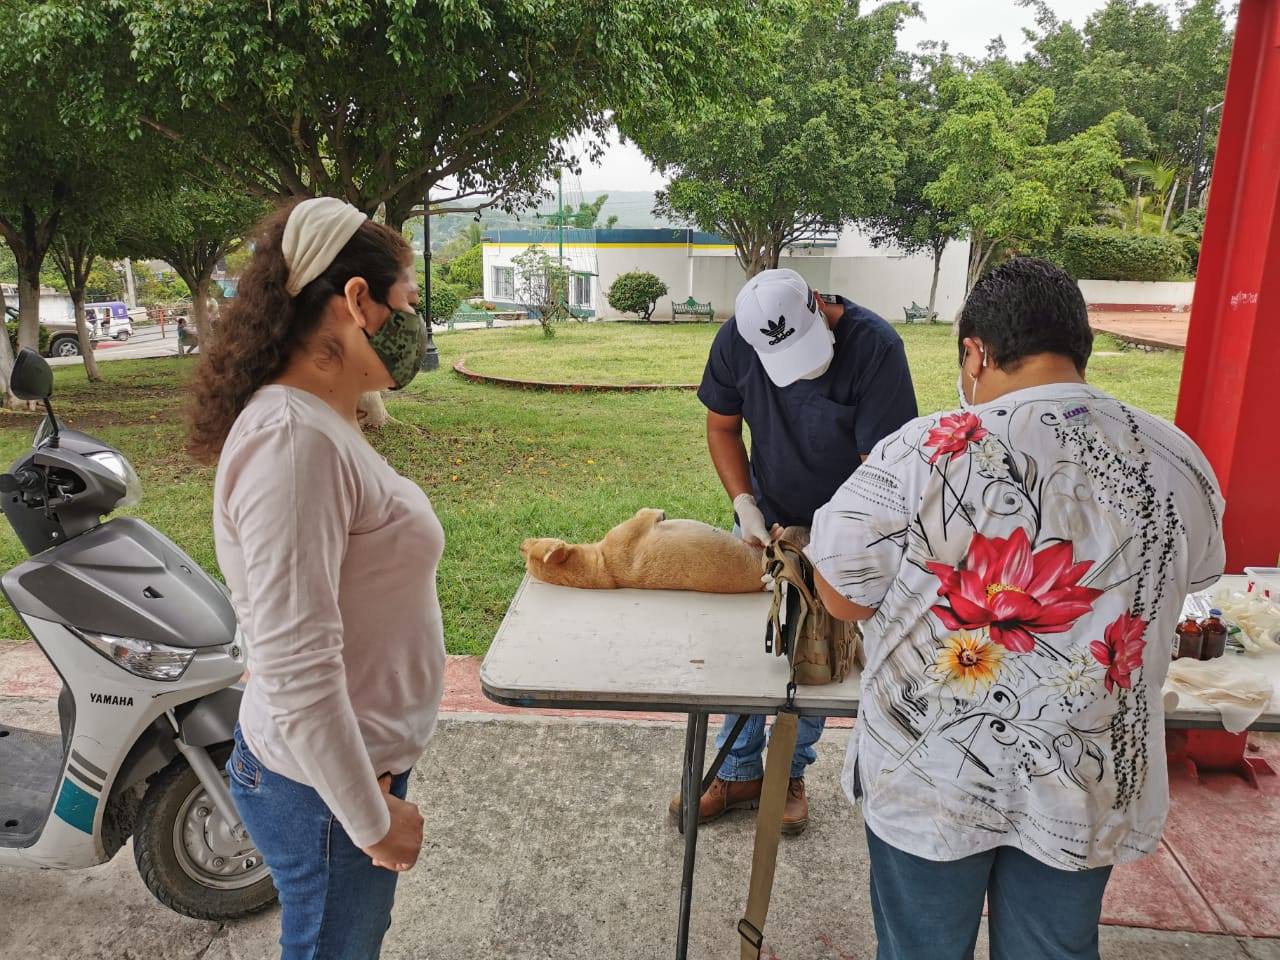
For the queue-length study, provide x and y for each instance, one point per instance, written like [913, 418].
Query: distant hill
[633, 208]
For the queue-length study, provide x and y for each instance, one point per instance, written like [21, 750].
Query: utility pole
[431, 358]
[560, 213]
[1195, 179]
[131, 291]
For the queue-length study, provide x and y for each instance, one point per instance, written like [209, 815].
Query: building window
[504, 283]
[582, 289]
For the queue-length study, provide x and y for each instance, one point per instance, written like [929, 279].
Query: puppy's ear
[557, 551]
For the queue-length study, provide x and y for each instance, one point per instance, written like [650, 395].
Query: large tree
[1130, 55]
[378, 103]
[806, 139]
[191, 227]
[1002, 183]
[911, 221]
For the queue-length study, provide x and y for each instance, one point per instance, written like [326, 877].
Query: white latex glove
[750, 520]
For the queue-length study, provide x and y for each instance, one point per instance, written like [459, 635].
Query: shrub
[43, 342]
[1107, 253]
[636, 292]
[467, 271]
[445, 300]
[1190, 228]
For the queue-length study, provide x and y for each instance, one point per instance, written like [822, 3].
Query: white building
[54, 307]
[703, 266]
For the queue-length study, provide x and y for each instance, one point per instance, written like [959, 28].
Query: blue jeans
[335, 904]
[746, 758]
[927, 910]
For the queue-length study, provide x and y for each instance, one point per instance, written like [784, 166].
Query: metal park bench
[918, 314]
[692, 308]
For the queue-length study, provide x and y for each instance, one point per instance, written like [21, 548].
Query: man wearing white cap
[819, 381]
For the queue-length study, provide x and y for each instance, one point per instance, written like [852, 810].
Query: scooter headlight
[142, 658]
[124, 471]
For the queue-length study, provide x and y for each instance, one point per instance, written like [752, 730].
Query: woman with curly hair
[331, 559]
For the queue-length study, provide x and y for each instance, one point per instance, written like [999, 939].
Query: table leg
[695, 748]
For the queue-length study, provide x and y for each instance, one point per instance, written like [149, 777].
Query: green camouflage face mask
[400, 344]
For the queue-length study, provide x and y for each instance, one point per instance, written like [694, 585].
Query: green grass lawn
[501, 464]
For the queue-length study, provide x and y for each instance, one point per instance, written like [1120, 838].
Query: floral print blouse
[1027, 559]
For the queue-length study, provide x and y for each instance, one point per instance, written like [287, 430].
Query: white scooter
[150, 658]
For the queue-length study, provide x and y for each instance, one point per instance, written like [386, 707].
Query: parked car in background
[63, 341]
[110, 320]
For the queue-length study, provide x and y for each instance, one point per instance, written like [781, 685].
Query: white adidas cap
[778, 314]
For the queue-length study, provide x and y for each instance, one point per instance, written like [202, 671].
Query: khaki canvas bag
[821, 650]
[825, 648]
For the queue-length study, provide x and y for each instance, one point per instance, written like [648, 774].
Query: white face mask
[826, 366]
[969, 401]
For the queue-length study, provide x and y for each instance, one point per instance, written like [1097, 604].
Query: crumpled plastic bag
[1240, 695]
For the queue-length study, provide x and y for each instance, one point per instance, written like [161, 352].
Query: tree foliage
[467, 271]
[805, 139]
[379, 102]
[1002, 183]
[191, 227]
[1106, 253]
[542, 287]
[636, 292]
[1131, 55]
[910, 220]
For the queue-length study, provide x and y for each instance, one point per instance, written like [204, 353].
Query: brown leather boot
[795, 815]
[723, 796]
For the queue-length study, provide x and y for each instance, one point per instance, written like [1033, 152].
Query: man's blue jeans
[335, 904]
[930, 910]
[746, 759]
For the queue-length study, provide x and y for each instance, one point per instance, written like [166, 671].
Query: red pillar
[1229, 400]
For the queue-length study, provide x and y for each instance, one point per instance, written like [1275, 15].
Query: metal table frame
[696, 776]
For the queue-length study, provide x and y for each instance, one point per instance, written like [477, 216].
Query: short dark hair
[1024, 307]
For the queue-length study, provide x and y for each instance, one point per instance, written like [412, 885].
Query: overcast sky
[966, 25]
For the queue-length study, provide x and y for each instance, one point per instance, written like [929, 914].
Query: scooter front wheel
[187, 856]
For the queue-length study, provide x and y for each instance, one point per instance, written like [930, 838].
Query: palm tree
[1164, 187]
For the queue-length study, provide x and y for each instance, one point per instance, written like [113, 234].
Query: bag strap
[764, 858]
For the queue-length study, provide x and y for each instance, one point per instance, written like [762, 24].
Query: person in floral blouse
[1020, 565]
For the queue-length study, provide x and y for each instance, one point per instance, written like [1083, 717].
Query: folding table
[677, 652]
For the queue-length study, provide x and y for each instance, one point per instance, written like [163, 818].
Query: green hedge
[445, 300]
[636, 292]
[1106, 253]
[12, 325]
[467, 271]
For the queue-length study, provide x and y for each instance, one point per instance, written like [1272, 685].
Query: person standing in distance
[819, 381]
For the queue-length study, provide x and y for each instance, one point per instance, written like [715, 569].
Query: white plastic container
[1264, 580]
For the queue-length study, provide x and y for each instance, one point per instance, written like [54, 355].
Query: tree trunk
[1168, 207]
[937, 268]
[200, 306]
[82, 333]
[28, 308]
[6, 354]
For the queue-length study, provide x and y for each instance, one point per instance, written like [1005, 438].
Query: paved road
[146, 342]
[544, 838]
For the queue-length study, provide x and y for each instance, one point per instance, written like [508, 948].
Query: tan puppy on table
[650, 552]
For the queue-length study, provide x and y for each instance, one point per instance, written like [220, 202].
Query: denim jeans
[335, 904]
[930, 910]
[746, 758]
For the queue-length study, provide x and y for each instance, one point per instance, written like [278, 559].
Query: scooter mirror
[31, 378]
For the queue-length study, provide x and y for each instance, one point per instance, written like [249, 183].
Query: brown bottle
[1215, 636]
[1190, 640]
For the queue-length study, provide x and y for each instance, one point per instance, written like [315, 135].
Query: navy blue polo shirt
[809, 437]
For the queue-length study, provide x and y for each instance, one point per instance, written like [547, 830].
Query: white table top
[676, 651]
[661, 650]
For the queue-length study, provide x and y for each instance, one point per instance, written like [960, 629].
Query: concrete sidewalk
[545, 837]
